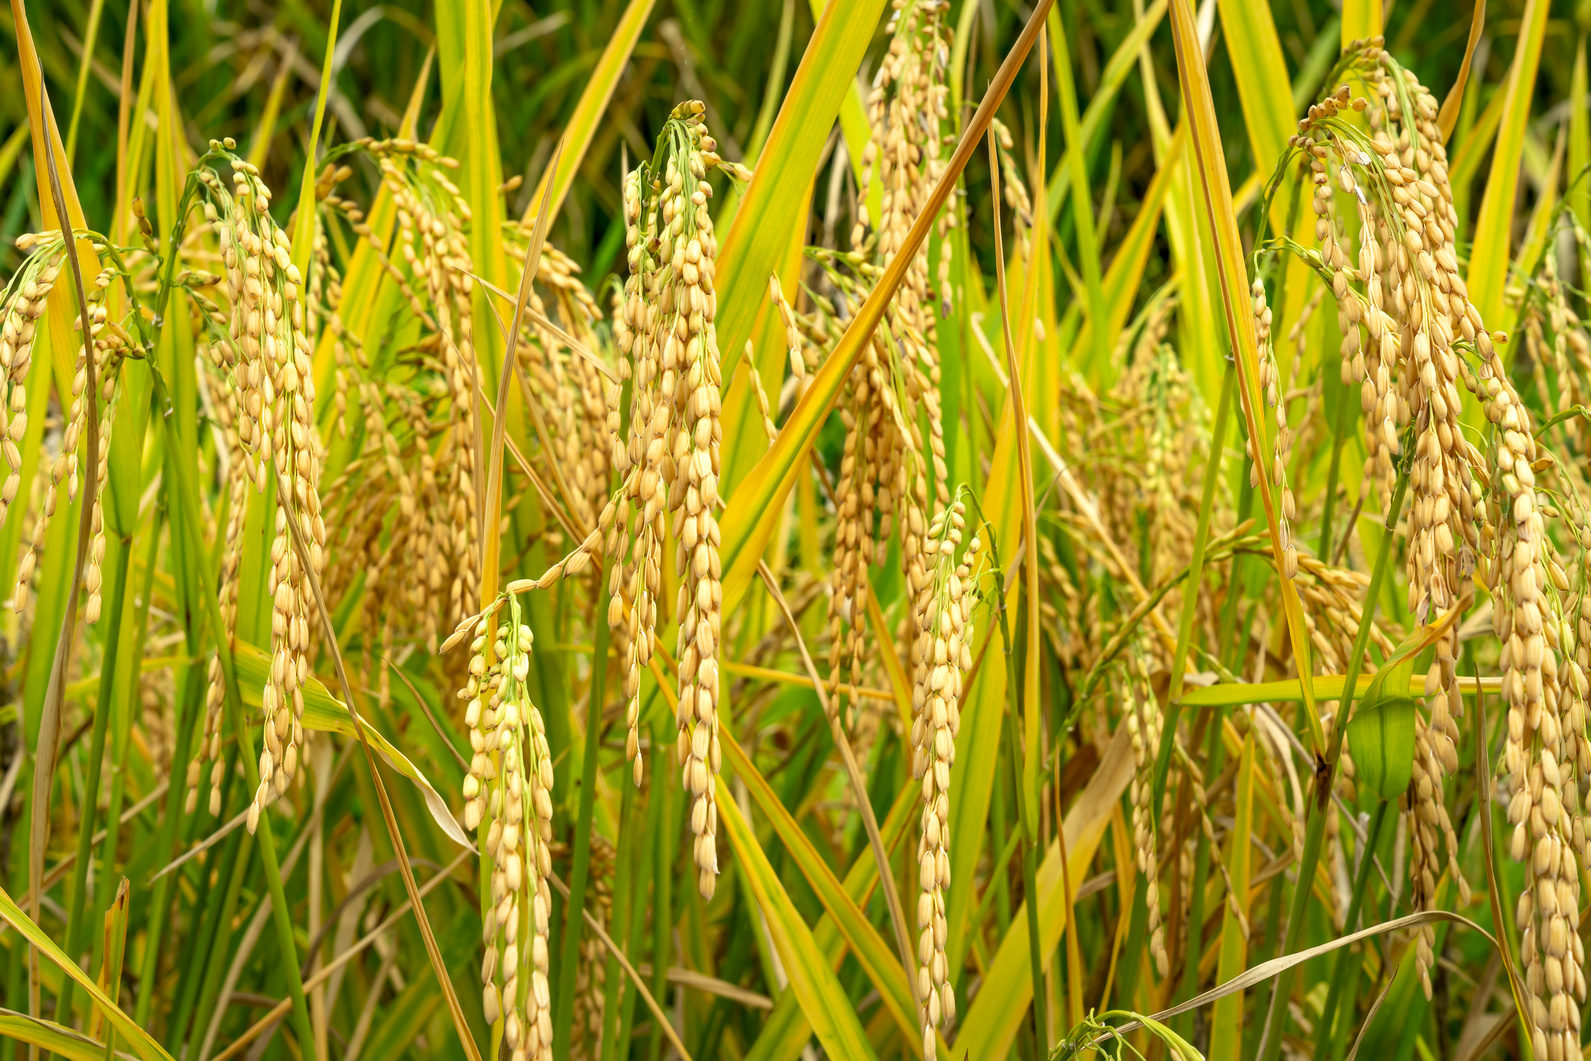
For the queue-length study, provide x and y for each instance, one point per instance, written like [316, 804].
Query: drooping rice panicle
[945, 642]
[263, 357]
[510, 780]
[670, 461]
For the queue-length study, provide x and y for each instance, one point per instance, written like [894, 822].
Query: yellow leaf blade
[141, 1041]
[774, 202]
[1217, 200]
[589, 110]
[823, 1002]
[875, 956]
[1226, 1022]
[753, 512]
[1489, 258]
[997, 1011]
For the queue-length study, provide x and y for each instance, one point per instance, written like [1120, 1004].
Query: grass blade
[365, 282]
[324, 713]
[1027, 705]
[854, 126]
[1447, 117]
[1489, 258]
[754, 509]
[491, 537]
[140, 1040]
[1124, 277]
[1579, 193]
[260, 144]
[110, 973]
[44, 755]
[90, 37]
[466, 1039]
[1211, 167]
[830, 1013]
[1201, 537]
[775, 202]
[1226, 1021]
[1115, 75]
[882, 967]
[1263, 86]
[629, 970]
[304, 229]
[991, 1022]
[1082, 205]
[786, 1032]
[899, 684]
[859, 792]
[589, 111]
[50, 1036]
[1271, 1038]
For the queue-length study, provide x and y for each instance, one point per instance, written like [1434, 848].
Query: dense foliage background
[1070, 660]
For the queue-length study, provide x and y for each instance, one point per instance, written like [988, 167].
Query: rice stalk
[350, 477]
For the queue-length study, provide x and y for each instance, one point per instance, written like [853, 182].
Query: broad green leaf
[823, 1001]
[52, 633]
[1381, 730]
[1330, 686]
[1226, 1020]
[1001, 1004]
[1489, 257]
[1327, 687]
[1381, 738]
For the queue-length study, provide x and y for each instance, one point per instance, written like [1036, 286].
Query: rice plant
[939, 529]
